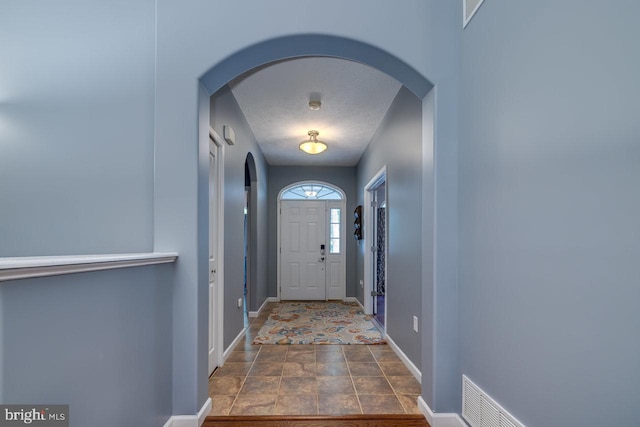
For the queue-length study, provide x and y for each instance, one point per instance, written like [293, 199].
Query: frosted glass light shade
[313, 147]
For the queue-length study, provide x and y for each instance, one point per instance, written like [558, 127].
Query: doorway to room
[376, 219]
[216, 249]
[250, 235]
[379, 209]
[246, 238]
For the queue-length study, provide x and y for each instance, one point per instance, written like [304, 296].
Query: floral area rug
[318, 322]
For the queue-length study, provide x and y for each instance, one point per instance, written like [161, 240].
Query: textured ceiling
[275, 98]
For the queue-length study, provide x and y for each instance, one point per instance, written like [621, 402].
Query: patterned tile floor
[311, 379]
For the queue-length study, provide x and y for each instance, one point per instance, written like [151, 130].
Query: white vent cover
[481, 410]
[469, 8]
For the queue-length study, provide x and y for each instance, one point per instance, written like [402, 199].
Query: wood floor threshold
[368, 420]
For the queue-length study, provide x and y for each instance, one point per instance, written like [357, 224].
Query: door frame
[343, 228]
[369, 242]
[217, 324]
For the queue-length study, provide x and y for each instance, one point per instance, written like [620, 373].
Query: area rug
[318, 323]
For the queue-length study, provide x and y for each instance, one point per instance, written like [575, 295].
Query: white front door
[213, 252]
[303, 250]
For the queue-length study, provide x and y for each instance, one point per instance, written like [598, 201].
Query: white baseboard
[204, 411]
[438, 419]
[257, 313]
[213, 356]
[228, 350]
[190, 420]
[408, 363]
[354, 299]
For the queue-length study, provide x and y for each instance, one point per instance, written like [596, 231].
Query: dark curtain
[380, 273]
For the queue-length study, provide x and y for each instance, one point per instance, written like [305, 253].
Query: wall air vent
[481, 410]
[469, 8]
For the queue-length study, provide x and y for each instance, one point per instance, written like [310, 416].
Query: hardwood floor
[399, 420]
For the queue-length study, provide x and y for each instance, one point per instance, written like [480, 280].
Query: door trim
[377, 179]
[219, 321]
[343, 228]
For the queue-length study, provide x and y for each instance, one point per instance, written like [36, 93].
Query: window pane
[335, 231]
[335, 216]
[311, 191]
[334, 246]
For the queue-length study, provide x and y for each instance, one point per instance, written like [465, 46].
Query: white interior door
[214, 191]
[303, 250]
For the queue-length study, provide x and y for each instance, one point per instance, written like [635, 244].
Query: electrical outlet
[239, 302]
[362, 283]
[415, 323]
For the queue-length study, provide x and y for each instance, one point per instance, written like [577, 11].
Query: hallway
[311, 379]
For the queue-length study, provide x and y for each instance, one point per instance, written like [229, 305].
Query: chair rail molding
[12, 268]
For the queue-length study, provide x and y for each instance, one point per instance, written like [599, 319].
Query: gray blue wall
[91, 340]
[2, 342]
[190, 47]
[76, 130]
[549, 209]
[282, 176]
[76, 177]
[398, 144]
[428, 360]
[440, 374]
[226, 111]
[85, 89]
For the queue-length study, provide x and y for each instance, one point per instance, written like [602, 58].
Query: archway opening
[250, 236]
[305, 45]
[274, 50]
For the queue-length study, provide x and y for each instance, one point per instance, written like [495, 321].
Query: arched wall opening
[331, 46]
[251, 234]
[314, 45]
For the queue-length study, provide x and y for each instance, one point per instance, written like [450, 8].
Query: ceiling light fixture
[312, 145]
[315, 105]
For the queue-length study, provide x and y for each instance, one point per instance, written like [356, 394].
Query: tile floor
[311, 379]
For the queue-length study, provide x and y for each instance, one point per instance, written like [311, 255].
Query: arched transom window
[311, 191]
